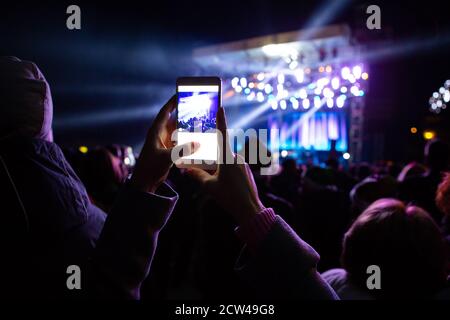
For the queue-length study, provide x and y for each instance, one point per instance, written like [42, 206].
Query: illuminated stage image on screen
[197, 111]
[316, 133]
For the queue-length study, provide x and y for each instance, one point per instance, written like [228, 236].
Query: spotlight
[335, 83]
[428, 134]
[293, 65]
[365, 76]
[274, 104]
[243, 82]
[344, 89]
[345, 72]
[328, 93]
[281, 78]
[441, 90]
[251, 96]
[346, 156]
[317, 102]
[303, 94]
[328, 69]
[238, 89]
[234, 82]
[284, 153]
[268, 88]
[251, 85]
[305, 103]
[435, 95]
[357, 72]
[247, 90]
[318, 90]
[354, 90]
[261, 86]
[283, 104]
[260, 97]
[340, 101]
[83, 149]
[413, 130]
[299, 75]
[260, 76]
[446, 96]
[294, 103]
[330, 103]
[321, 69]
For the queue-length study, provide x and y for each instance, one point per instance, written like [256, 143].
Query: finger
[199, 174]
[224, 141]
[164, 114]
[183, 150]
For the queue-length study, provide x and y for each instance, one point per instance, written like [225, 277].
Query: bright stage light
[281, 78]
[357, 72]
[428, 134]
[305, 103]
[260, 76]
[328, 93]
[441, 90]
[268, 88]
[260, 97]
[284, 153]
[317, 102]
[293, 65]
[365, 76]
[322, 82]
[235, 82]
[435, 95]
[321, 69]
[247, 90]
[345, 72]
[251, 85]
[351, 78]
[344, 89]
[446, 96]
[346, 156]
[243, 82]
[299, 75]
[303, 94]
[330, 103]
[238, 89]
[361, 93]
[294, 103]
[261, 85]
[328, 69]
[354, 90]
[83, 149]
[251, 96]
[340, 101]
[274, 104]
[280, 90]
[335, 83]
[318, 90]
[283, 104]
[413, 130]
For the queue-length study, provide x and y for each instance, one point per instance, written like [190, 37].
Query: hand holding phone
[156, 156]
[232, 185]
[198, 100]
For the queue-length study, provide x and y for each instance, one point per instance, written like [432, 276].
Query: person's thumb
[183, 150]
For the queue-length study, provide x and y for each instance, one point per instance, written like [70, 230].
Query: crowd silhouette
[307, 232]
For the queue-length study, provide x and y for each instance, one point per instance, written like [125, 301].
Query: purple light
[357, 71]
[345, 72]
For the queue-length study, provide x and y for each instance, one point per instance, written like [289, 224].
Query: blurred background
[111, 77]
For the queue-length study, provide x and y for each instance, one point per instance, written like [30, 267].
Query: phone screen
[197, 109]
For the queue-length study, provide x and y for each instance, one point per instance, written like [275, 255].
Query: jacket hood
[26, 106]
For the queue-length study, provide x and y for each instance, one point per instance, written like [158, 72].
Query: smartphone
[198, 100]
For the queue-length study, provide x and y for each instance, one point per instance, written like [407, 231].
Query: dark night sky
[128, 55]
